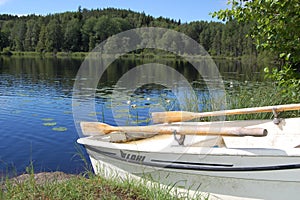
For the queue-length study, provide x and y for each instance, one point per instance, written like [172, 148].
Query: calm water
[36, 121]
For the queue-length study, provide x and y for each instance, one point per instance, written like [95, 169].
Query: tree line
[82, 30]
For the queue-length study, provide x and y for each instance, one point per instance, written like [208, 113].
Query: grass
[80, 187]
[87, 186]
[79, 55]
[146, 54]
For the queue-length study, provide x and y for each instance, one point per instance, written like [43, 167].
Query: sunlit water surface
[36, 121]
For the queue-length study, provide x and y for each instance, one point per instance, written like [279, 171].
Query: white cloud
[2, 2]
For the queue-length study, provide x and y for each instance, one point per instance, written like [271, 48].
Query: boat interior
[286, 134]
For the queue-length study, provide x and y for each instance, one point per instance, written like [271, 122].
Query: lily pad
[94, 114]
[16, 111]
[76, 104]
[49, 124]
[22, 95]
[47, 119]
[60, 129]
[27, 100]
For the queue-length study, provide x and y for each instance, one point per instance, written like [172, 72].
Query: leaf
[59, 129]
[282, 55]
[288, 57]
[266, 70]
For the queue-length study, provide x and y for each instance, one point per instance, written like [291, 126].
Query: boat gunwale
[180, 149]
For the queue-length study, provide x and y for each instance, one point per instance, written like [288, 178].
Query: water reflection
[35, 100]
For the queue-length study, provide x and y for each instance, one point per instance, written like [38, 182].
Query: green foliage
[53, 36]
[6, 51]
[32, 35]
[88, 34]
[275, 27]
[84, 29]
[18, 34]
[72, 35]
[3, 40]
[275, 24]
[287, 80]
[42, 40]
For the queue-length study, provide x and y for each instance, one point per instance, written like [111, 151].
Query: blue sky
[185, 10]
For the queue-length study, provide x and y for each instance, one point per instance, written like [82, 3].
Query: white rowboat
[266, 167]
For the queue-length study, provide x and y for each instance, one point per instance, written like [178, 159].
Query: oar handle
[256, 132]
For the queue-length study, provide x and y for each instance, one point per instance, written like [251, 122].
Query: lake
[36, 115]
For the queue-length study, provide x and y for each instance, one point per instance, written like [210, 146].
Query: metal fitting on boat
[179, 140]
[276, 120]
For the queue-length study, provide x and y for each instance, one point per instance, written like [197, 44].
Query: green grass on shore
[82, 55]
[47, 54]
[61, 186]
[94, 187]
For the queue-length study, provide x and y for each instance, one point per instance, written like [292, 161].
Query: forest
[82, 30]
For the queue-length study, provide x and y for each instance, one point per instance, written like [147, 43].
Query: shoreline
[144, 55]
[41, 177]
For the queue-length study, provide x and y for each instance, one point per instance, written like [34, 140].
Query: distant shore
[82, 55]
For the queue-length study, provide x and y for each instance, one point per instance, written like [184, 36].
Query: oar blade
[95, 128]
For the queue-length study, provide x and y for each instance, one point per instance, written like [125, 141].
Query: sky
[185, 10]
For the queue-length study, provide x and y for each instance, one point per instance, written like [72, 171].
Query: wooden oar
[180, 129]
[178, 116]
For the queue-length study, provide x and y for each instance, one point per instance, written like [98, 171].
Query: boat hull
[252, 167]
[246, 175]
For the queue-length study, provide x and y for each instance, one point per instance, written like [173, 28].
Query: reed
[255, 95]
[241, 95]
